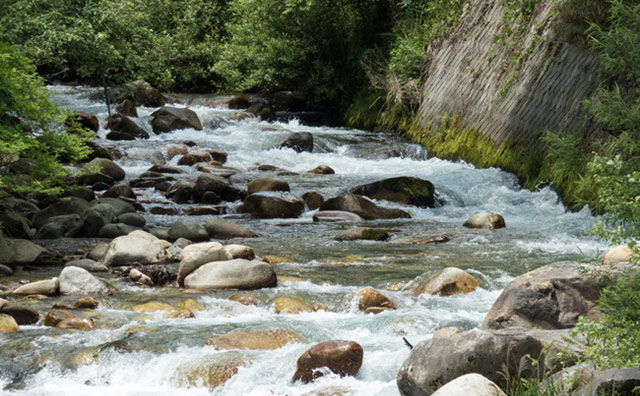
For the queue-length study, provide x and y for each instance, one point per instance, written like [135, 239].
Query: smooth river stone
[232, 274]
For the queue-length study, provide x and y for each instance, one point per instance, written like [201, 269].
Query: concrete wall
[466, 73]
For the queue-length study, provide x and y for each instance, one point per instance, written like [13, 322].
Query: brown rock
[313, 200]
[235, 102]
[363, 207]
[194, 157]
[447, 282]
[56, 316]
[180, 314]
[204, 210]
[159, 210]
[370, 297]
[322, 170]
[266, 183]
[210, 372]
[617, 254]
[292, 305]
[8, 324]
[488, 220]
[179, 149]
[75, 324]
[377, 310]
[341, 357]
[127, 107]
[152, 307]
[87, 303]
[245, 299]
[270, 339]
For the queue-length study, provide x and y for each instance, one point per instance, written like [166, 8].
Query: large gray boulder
[61, 226]
[194, 256]
[125, 128]
[188, 230]
[115, 230]
[107, 167]
[220, 229]
[76, 280]
[180, 192]
[232, 274]
[273, 205]
[29, 253]
[96, 217]
[7, 252]
[71, 205]
[169, 119]
[363, 207]
[15, 225]
[298, 141]
[138, 247]
[404, 189]
[433, 363]
[119, 206]
[550, 297]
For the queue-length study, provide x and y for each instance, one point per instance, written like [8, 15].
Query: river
[134, 354]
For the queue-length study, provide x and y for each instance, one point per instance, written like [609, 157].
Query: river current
[134, 354]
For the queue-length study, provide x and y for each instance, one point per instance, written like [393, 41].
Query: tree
[32, 135]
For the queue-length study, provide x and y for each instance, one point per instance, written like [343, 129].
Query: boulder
[245, 298]
[137, 247]
[617, 254]
[96, 217]
[97, 252]
[126, 126]
[470, 385]
[266, 183]
[119, 190]
[447, 282]
[369, 297]
[292, 305]
[71, 205]
[406, 190]
[273, 205]
[46, 287]
[5, 270]
[82, 192]
[195, 255]
[15, 225]
[340, 357]
[177, 149]
[262, 110]
[8, 324]
[435, 362]
[232, 274]
[55, 316]
[322, 170]
[88, 264]
[23, 315]
[61, 226]
[269, 339]
[191, 231]
[298, 141]
[586, 381]
[84, 120]
[107, 167]
[362, 207]
[550, 297]
[313, 200]
[209, 372]
[7, 252]
[336, 216]
[488, 220]
[240, 251]
[217, 184]
[119, 205]
[205, 210]
[218, 155]
[357, 233]
[115, 230]
[195, 157]
[160, 232]
[220, 229]
[127, 108]
[29, 253]
[152, 306]
[132, 219]
[181, 191]
[142, 93]
[138, 277]
[169, 119]
[76, 280]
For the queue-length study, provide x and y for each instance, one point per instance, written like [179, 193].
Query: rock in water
[232, 274]
[362, 207]
[76, 280]
[194, 256]
[447, 282]
[406, 190]
[169, 119]
[298, 141]
[273, 205]
[488, 220]
[341, 357]
[270, 339]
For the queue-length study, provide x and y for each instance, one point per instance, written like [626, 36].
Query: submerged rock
[210, 372]
[270, 339]
[292, 305]
[362, 207]
[336, 216]
[340, 357]
[357, 233]
[369, 297]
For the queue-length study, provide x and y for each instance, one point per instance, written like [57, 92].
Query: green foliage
[31, 143]
[575, 17]
[167, 43]
[614, 341]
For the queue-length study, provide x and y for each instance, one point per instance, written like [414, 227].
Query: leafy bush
[31, 142]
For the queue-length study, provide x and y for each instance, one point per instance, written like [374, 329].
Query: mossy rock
[404, 189]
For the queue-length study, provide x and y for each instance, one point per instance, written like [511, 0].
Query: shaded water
[147, 354]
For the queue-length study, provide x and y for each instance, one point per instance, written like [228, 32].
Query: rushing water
[134, 354]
